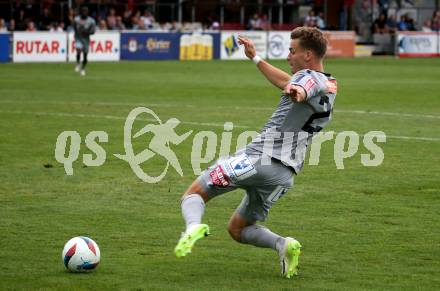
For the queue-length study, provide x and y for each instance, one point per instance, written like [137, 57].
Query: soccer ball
[81, 254]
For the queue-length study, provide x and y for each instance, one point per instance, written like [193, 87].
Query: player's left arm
[92, 28]
[277, 77]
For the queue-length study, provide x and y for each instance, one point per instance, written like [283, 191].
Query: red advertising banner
[340, 43]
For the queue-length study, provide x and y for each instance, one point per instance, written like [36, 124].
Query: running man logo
[204, 148]
[231, 45]
[163, 135]
[276, 45]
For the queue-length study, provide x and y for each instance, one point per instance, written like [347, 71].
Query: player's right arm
[92, 29]
[274, 75]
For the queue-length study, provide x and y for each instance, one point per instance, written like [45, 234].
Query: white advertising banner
[418, 44]
[230, 50]
[104, 46]
[278, 44]
[39, 47]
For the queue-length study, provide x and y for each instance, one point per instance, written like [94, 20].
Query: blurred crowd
[390, 24]
[432, 24]
[314, 19]
[259, 22]
[136, 19]
[28, 17]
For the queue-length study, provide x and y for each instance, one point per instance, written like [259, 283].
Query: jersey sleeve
[311, 85]
[75, 25]
[324, 101]
[92, 27]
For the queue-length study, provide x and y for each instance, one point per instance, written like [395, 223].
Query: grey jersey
[84, 27]
[290, 129]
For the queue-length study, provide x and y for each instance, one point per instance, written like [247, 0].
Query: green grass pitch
[362, 228]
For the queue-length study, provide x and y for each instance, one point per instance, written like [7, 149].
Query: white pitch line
[61, 114]
[397, 114]
[100, 103]
[389, 113]
[413, 137]
[183, 122]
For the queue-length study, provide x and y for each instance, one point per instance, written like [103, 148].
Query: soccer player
[265, 168]
[84, 26]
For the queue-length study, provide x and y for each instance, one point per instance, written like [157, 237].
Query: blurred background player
[84, 26]
[265, 168]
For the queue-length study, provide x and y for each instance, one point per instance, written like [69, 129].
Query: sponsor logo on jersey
[299, 78]
[241, 166]
[218, 177]
[309, 84]
[332, 86]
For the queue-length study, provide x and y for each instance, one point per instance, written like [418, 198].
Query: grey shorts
[82, 44]
[264, 184]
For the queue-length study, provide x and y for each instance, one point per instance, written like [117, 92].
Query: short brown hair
[311, 38]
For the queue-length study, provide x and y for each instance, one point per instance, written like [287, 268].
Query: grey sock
[193, 208]
[262, 237]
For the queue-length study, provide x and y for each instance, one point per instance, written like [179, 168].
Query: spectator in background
[380, 24]
[255, 22]
[207, 22]
[320, 22]
[164, 27]
[61, 26]
[126, 18]
[427, 26]
[175, 26]
[11, 26]
[410, 24]
[435, 23]
[57, 27]
[392, 24]
[31, 26]
[265, 23]
[69, 20]
[402, 25]
[135, 20]
[215, 25]
[45, 20]
[3, 25]
[310, 19]
[119, 23]
[147, 20]
[111, 19]
[20, 21]
[102, 25]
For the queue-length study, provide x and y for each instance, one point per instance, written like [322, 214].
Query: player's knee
[234, 231]
[196, 188]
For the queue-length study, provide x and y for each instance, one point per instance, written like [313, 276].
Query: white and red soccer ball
[81, 254]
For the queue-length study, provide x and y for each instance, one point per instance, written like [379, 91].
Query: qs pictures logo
[158, 139]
